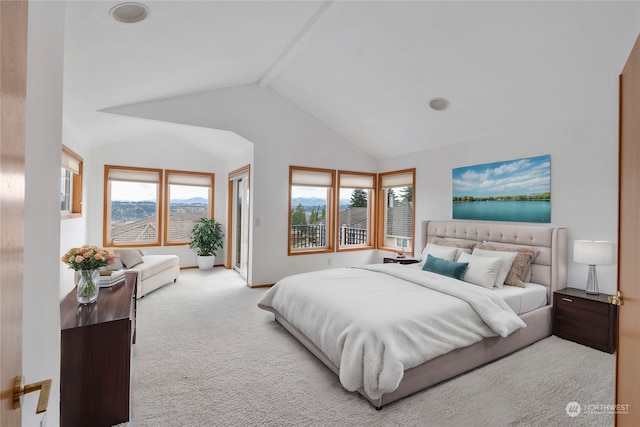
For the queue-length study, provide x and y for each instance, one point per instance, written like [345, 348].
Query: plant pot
[206, 262]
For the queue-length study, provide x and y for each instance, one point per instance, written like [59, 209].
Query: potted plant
[206, 237]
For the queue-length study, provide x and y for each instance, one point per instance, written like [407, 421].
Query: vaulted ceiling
[366, 69]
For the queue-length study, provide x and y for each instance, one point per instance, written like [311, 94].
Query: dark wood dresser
[95, 355]
[586, 319]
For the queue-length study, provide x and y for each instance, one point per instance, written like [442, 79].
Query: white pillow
[462, 251]
[482, 270]
[507, 260]
[444, 252]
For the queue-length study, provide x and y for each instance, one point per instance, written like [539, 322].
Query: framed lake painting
[513, 190]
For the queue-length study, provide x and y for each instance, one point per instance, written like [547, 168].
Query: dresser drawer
[582, 304]
[581, 330]
[571, 311]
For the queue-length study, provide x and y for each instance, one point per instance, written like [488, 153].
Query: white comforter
[374, 322]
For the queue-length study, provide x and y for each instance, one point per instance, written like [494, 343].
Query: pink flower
[87, 258]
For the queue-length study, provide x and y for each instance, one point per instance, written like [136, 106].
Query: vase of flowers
[87, 261]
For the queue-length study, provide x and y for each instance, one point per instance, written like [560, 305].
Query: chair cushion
[154, 264]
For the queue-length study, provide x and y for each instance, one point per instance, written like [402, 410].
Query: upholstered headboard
[548, 269]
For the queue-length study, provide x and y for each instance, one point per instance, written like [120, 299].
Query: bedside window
[311, 226]
[396, 211]
[356, 217]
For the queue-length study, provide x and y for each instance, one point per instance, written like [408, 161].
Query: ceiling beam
[297, 43]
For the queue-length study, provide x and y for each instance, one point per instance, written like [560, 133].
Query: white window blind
[190, 179]
[397, 180]
[356, 181]
[70, 163]
[311, 178]
[130, 175]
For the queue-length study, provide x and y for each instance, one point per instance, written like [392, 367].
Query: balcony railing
[315, 236]
[308, 236]
[352, 236]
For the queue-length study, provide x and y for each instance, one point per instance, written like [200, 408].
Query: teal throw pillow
[444, 267]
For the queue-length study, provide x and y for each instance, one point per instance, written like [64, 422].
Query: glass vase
[87, 282]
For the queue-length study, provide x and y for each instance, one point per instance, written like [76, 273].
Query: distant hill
[315, 202]
[191, 201]
[123, 211]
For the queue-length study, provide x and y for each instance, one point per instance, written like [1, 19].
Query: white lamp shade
[592, 252]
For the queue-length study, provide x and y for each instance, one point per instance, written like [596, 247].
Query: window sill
[310, 251]
[70, 215]
[355, 248]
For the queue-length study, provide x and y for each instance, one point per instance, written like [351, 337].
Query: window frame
[330, 219]
[106, 218]
[381, 214]
[371, 211]
[76, 184]
[167, 202]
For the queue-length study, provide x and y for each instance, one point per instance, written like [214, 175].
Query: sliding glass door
[239, 183]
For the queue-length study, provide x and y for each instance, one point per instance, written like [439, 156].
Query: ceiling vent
[439, 104]
[129, 13]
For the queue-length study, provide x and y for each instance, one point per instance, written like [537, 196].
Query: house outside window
[311, 207]
[356, 210]
[396, 211]
[188, 197]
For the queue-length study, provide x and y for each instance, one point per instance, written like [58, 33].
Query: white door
[13, 45]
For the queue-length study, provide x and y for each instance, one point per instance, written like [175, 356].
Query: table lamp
[592, 253]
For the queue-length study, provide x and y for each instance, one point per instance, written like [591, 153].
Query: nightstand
[400, 260]
[586, 319]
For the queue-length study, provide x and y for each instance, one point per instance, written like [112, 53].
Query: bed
[443, 326]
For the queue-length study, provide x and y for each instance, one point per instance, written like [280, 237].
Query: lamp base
[592, 281]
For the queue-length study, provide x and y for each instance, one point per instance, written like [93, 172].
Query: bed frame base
[448, 365]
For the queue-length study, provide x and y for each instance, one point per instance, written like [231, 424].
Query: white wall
[582, 144]
[584, 177]
[41, 309]
[160, 151]
[283, 135]
[73, 231]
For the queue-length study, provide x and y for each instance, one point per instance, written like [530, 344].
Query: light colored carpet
[207, 356]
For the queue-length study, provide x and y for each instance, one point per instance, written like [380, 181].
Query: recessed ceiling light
[439, 104]
[129, 13]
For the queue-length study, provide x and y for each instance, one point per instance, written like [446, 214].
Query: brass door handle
[19, 390]
[616, 299]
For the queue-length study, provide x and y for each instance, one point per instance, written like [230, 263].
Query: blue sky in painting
[529, 176]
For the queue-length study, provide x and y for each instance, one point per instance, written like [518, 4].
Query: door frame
[240, 173]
